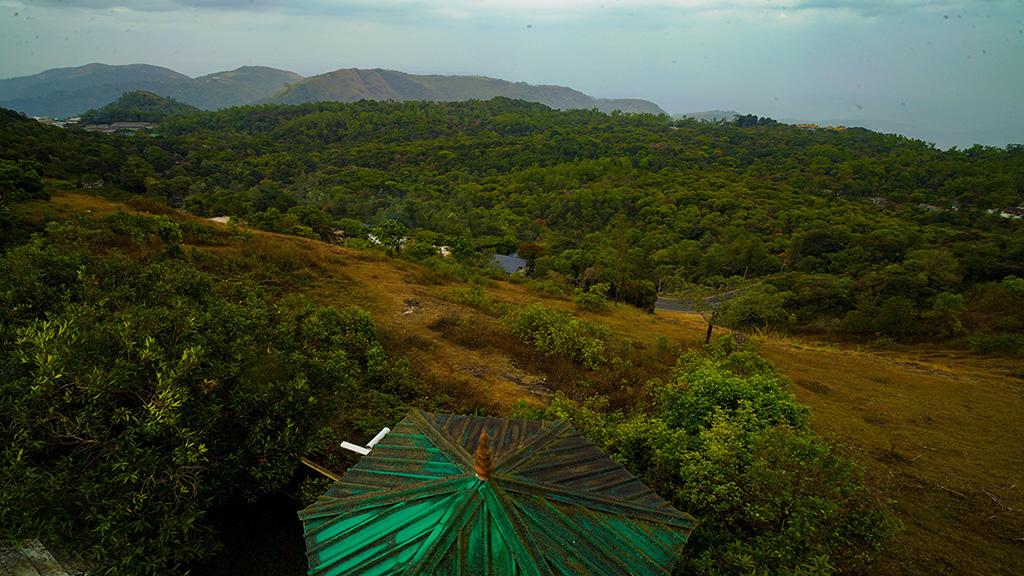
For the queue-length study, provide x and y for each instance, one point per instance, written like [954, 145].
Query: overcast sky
[946, 65]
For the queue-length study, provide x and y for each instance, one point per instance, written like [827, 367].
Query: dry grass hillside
[938, 431]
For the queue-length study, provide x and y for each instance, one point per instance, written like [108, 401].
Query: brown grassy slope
[938, 432]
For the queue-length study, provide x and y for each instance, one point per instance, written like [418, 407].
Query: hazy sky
[954, 66]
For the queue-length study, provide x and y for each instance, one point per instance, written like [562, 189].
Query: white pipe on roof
[355, 448]
[380, 436]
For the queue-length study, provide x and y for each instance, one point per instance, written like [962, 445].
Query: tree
[619, 232]
[947, 309]
[351, 227]
[706, 301]
[530, 251]
[758, 305]
[594, 299]
[390, 234]
[19, 180]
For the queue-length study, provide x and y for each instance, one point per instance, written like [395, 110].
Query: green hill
[353, 84]
[138, 106]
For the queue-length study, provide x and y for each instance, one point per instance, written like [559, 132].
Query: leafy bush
[721, 384]
[761, 305]
[595, 299]
[1006, 344]
[726, 442]
[390, 235]
[476, 297]
[199, 233]
[557, 333]
[1013, 285]
[19, 181]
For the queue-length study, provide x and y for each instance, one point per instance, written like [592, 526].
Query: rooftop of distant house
[118, 127]
[510, 263]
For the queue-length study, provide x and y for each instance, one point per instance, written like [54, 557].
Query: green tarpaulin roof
[554, 505]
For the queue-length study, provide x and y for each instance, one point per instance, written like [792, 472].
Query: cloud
[282, 6]
[604, 15]
[874, 7]
[526, 8]
[369, 10]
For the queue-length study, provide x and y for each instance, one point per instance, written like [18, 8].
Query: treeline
[856, 233]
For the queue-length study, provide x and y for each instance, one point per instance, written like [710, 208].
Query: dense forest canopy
[837, 230]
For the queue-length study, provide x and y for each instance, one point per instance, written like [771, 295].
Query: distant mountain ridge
[353, 84]
[62, 92]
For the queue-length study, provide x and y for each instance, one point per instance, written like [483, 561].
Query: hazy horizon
[948, 70]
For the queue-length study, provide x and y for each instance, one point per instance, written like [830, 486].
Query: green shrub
[476, 297]
[1013, 285]
[761, 305]
[390, 235]
[199, 233]
[710, 385]
[557, 333]
[1005, 344]
[541, 285]
[595, 299]
[19, 181]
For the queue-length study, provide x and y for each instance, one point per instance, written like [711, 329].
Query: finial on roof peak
[483, 466]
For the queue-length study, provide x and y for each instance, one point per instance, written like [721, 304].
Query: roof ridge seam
[453, 451]
[511, 459]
